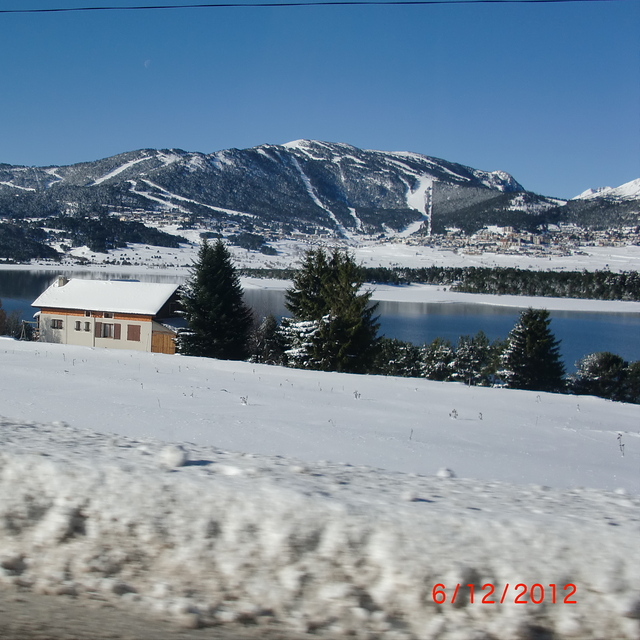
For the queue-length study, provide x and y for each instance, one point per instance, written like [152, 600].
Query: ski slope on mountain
[327, 502]
[119, 170]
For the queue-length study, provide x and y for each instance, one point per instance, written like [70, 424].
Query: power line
[316, 3]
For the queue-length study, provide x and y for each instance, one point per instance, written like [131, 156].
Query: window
[110, 331]
[78, 325]
[107, 314]
[87, 314]
[87, 326]
[56, 324]
[133, 332]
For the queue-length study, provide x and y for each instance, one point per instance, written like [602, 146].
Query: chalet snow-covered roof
[120, 296]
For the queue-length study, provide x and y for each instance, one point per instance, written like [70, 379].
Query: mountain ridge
[627, 191]
[303, 186]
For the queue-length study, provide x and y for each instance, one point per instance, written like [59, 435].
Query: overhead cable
[316, 3]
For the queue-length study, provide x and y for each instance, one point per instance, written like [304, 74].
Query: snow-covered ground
[400, 424]
[434, 293]
[590, 258]
[370, 254]
[317, 499]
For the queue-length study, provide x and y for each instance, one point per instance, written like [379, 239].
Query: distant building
[115, 314]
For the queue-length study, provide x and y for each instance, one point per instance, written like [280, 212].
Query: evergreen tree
[267, 344]
[632, 383]
[3, 320]
[397, 358]
[326, 291]
[308, 299]
[601, 374]
[497, 348]
[532, 357]
[218, 320]
[471, 362]
[302, 344]
[437, 358]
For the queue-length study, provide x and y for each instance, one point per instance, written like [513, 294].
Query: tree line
[28, 240]
[597, 285]
[104, 232]
[20, 244]
[333, 327]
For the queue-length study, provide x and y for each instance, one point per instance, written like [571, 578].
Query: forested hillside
[21, 244]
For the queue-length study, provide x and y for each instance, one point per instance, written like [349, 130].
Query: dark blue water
[580, 333]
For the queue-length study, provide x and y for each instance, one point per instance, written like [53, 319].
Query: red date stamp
[488, 594]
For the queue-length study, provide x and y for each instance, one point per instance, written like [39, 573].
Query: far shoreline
[408, 293]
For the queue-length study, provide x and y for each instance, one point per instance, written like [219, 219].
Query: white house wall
[144, 344]
[69, 335]
[47, 334]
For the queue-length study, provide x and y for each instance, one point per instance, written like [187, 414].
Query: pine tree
[302, 344]
[397, 358]
[326, 291]
[307, 299]
[600, 374]
[437, 358]
[471, 362]
[632, 383]
[218, 320]
[3, 320]
[532, 357]
[267, 344]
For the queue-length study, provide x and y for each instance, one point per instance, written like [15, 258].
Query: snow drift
[209, 536]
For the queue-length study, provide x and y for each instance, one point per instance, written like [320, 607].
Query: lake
[580, 332]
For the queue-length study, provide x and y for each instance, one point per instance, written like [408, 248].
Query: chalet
[116, 314]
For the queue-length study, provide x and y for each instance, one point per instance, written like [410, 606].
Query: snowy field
[590, 258]
[323, 501]
[369, 254]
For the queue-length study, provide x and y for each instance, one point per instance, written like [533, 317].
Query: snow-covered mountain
[628, 191]
[605, 207]
[303, 185]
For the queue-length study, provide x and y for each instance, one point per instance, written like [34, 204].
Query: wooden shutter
[117, 331]
[98, 330]
[133, 332]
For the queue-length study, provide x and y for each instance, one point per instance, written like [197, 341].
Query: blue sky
[547, 92]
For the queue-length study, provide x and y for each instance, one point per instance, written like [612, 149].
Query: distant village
[564, 240]
[561, 240]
